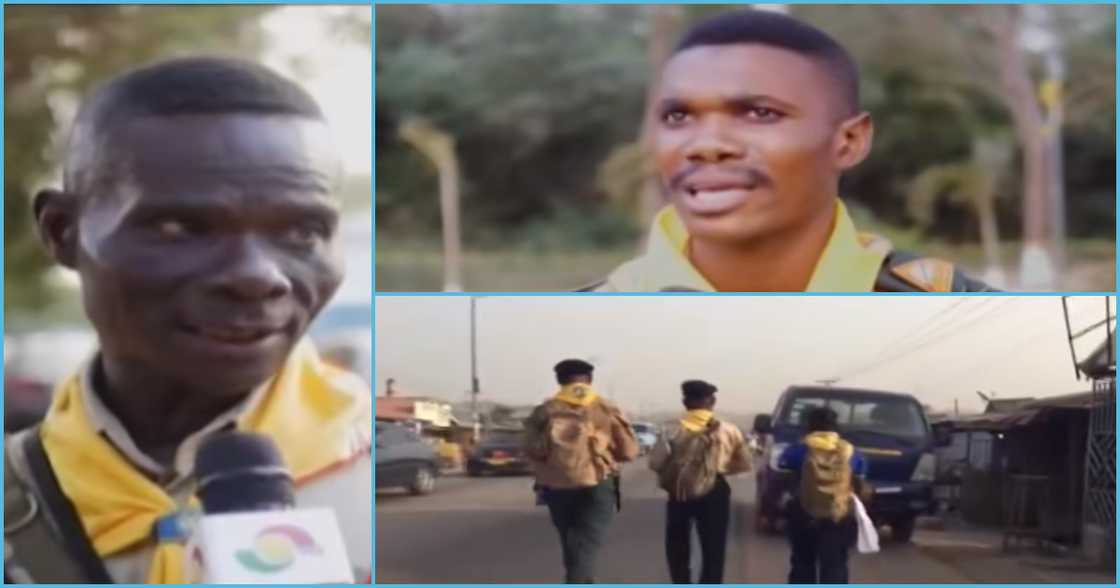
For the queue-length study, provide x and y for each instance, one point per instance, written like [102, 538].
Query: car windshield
[643, 428]
[502, 439]
[896, 417]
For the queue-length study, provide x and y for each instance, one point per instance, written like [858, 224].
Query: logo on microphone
[275, 548]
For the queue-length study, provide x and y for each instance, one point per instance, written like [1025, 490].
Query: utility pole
[474, 360]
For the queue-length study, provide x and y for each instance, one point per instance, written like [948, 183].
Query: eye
[674, 117]
[306, 235]
[172, 228]
[761, 113]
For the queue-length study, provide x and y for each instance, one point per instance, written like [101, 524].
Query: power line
[909, 336]
[974, 319]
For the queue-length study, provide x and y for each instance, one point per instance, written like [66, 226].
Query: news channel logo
[275, 548]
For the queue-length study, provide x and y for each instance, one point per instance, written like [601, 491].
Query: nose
[712, 143]
[251, 273]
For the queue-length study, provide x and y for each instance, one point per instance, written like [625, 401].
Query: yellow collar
[696, 420]
[119, 506]
[850, 261]
[577, 394]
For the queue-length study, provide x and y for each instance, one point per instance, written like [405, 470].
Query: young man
[577, 441]
[698, 455]
[822, 526]
[198, 210]
[757, 116]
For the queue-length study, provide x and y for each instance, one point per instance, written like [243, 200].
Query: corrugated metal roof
[1027, 412]
[1100, 362]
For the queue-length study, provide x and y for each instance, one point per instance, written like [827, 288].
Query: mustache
[750, 175]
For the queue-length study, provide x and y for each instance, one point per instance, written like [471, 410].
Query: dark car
[498, 453]
[889, 428]
[404, 460]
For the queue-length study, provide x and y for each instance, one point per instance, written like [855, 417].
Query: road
[488, 530]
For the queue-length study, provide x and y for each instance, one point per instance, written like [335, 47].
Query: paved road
[488, 530]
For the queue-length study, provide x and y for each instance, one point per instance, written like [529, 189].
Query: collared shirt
[850, 261]
[346, 490]
[733, 455]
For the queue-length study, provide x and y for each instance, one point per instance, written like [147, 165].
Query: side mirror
[762, 424]
[943, 434]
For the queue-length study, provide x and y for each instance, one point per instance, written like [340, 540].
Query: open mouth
[708, 198]
[238, 335]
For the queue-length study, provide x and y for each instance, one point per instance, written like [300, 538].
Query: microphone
[250, 531]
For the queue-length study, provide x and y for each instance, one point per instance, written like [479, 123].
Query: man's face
[748, 140]
[209, 248]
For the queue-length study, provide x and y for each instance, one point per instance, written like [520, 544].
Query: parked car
[647, 435]
[499, 453]
[404, 460]
[889, 428]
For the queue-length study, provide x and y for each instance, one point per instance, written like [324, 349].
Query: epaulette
[907, 272]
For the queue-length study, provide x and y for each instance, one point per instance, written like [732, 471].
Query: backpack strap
[44, 541]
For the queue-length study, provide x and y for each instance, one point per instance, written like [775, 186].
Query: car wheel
[423, 481]
[902, 530]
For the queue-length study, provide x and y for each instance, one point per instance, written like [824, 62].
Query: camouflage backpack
[693, 467]
[826, 482]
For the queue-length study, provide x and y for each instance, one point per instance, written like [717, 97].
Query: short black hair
[697, 389]
[820, 418]
[567, 370]
[759, 27]
[189, 85]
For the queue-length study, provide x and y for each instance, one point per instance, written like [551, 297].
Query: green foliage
[536, 97]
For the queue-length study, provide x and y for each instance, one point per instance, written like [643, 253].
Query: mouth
[717, 196]
[236, 339]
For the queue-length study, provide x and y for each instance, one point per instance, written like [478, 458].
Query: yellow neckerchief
[850, 261]
[319, 417]
[828, 441]
[696, 420]
[577, 394]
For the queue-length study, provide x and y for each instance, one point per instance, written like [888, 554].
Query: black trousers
[711, 514]
[581, 517]
[819, 548]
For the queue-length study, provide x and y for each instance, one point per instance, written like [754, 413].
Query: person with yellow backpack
[829, 472]
[691, 462]
[577, 441]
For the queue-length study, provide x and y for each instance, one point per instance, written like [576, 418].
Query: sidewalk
[977, 553]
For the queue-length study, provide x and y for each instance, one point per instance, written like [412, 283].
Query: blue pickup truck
[891, 430]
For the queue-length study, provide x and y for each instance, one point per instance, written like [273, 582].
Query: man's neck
[779, 263]
[158, 413]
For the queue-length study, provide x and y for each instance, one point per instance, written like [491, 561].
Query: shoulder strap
[41, 528]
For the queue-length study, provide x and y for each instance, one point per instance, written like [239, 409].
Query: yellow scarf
[829, 441]
[319, 417]
[850, 261]
[696, 420]
[577, 394]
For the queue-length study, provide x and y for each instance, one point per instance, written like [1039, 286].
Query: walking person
[577, 442]
[822, 525]
[692, 461]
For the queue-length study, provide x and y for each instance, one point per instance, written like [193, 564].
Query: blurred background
[54, 55]
[508, 139]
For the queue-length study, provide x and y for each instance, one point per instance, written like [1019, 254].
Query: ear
[853, 141]
[56, 215]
